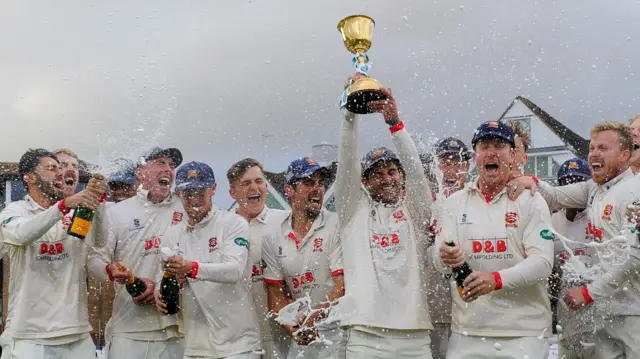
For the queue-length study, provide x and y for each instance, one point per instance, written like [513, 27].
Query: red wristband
[109, 272]
[194, 270]
[103, 197]
[498, 278]
[63, 208]
[397, 127]
[586, 295]
[535, 179]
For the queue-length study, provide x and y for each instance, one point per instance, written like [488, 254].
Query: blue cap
[380, 154]
[574, 167]
[452, 146]
[194, 175]
[125, 172]
[494, 129]
[303, 168]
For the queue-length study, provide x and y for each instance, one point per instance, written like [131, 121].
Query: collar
[614, 181]
[262, 217]
[143, 195]
[473, 188]
[203, 223]
[316, 225]
[33, 205]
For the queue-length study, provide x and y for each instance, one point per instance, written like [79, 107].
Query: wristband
[498, 278]
[392, 122]
[194, 270]
[586, 295]
[535, 179]
[103, 197]
[109, 272]
[63, 208]
[397, 127]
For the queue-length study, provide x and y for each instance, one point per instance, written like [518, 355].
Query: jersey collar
[143, 195]
[624, 175]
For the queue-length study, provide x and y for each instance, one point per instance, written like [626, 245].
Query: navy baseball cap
[452, 146]
[173, 153]
[575, 167]
[378, 155]
[494, 129]
[303, 168]
[194, 175]
[125, 172]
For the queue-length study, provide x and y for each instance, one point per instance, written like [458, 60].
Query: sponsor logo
[192, 174]
[492, 124]
[304, 280]
[464, 218]
[51, 252]
[310, 162]
[241, 242]
[66, 221]
[547, 235]
[511, 219]
[213, 244]
[150, 244]
[257, 271]
[6, 221]
[573, 165]
[378, 153]
[386, 243]
[489, 245]
[606, 215]
[594, 232]
[136, 223]
[399, 216]
[177, 218]
[317, 245]
[453, 144]
[279, 251]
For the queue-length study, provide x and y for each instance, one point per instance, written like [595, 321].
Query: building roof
[575, 143]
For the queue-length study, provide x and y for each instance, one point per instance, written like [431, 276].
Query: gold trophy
[357, 31]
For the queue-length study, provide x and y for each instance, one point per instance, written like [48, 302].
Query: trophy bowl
[357, 31]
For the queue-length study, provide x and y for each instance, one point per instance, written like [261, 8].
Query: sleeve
[273, 272]
[444, 232]
[558, 248]
[99, 229]
[20, 230]
[335, 254]
[100, 256]
[575, 195]
[538, 245]
[418, 197]
[234, 254]
[348, 189]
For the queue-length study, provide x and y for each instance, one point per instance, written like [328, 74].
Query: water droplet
[593, 67]
[530, 42]
[405, 18]
[497, 346]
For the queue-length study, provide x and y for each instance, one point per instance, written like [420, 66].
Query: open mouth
[254, 198]
[450, 182]
[597, 166]
[636, 147]
[164, 181]
[69, 181]
[492, 167]
[58, 184]
[315, 200]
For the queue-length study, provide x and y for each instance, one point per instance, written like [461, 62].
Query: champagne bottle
[170, 292]
[460, 273]
[80, 223]
[136, 286]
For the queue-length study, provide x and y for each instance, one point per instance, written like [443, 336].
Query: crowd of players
[388, 251]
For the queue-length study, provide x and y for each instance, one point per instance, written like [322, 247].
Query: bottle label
[80, 226]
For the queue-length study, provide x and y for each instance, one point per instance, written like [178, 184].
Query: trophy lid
[357, 31]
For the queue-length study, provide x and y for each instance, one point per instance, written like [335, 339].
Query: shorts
[468, 347]
[363, 345]
[336, 350]
[24, 349]
[123, 348]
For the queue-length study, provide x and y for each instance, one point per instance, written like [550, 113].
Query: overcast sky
[111, 78]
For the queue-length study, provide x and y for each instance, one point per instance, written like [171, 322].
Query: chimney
[324, 153]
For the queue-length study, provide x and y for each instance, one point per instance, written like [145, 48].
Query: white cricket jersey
[135, 234]
[258, 288]
[219, 318]
[48, 283]
[439, 287]
[307, 265]
[508, 237]
[607, 211]
[573, 321]
[384, 246]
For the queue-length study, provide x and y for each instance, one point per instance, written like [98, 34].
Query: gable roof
[575, 143]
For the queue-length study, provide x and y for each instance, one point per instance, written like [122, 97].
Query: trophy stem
[361, 59]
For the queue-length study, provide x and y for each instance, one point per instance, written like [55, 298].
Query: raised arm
[347, 185]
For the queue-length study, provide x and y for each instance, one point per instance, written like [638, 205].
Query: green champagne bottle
[80, 223]
[460, 273]
[170, 292]
[136, 286]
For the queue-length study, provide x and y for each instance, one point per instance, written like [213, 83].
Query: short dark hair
[30, 160]
[241, 167]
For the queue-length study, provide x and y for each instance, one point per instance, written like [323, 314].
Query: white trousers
[362, 345]
[440, 340]
[620, 338]
[123, 348]
[275, 349]
[472, 347]
[247, 355]
[23, 349]
[322, 351]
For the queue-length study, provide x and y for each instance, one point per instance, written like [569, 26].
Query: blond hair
[521, 133]
[636, 117]
[626, 141]
[65, 151]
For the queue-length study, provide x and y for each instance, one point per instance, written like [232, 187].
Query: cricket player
[576, 327]
[122, 183]
[136, 228]
[523, 142]
[248, 187]
[611, 190]
[304, 257]
[384, 242]
[503, 310]
[69, 165]
[219, 318]
[47, 312]
[452, 159]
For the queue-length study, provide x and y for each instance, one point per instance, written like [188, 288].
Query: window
[272, 202]
[530, 166]
[542, 166]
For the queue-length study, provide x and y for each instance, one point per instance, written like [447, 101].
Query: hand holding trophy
[357, 31]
